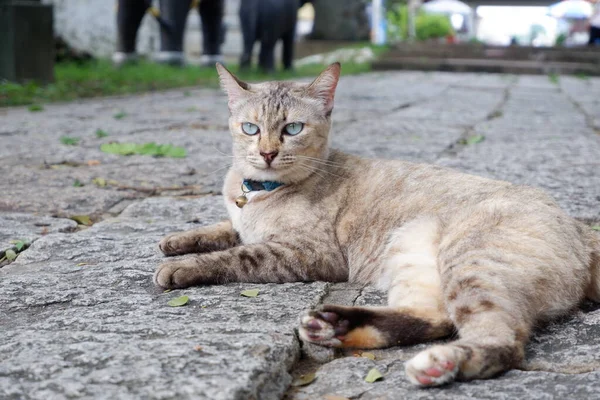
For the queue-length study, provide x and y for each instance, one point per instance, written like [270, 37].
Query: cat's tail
[593, 292]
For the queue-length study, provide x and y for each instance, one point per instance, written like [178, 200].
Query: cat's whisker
[319, 159]
[323, 161]
[223, 154]
[315, 168]
[310, 170]
[219, 169]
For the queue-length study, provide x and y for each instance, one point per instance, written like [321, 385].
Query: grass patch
[100, 78]
[148, 149]
[36, 107]
[101, 133]
[69, 140]
[120, 115]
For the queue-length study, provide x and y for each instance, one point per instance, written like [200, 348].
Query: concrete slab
[81, 318]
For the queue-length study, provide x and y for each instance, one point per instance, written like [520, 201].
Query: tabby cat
[457, 253]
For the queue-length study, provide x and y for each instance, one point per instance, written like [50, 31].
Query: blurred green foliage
[427, 26]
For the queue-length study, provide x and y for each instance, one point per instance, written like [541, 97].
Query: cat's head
[280, 129]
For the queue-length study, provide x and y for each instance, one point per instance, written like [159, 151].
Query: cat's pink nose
[269, 157]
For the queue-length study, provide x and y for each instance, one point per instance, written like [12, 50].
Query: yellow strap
[154, 11]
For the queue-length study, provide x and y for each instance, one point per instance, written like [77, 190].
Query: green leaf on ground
[10, 255]
[69, 140]
[147, 149]
[77, 183]
[100, 182]
[36, 107]
[176, 152]
[120, 115]
[596, 228]
[178, 301]
[475, 139]
[20, 244]
[553, 77]
[101, 134]
[373, 375]
[250, 293]
[304, 380]
[82, 219]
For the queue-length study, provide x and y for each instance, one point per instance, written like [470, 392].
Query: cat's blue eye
[294, 128]
[249, 128]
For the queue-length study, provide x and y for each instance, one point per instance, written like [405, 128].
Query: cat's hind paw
[324, 328]
[435, 366]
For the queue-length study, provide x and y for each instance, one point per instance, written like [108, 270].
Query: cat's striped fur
[456, 252]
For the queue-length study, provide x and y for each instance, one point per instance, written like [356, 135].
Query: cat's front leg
[275, 262]
[215, 237]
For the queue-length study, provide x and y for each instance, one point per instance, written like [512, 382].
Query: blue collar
[253, 186]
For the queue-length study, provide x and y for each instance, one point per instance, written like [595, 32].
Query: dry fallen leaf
[198, 348]
[304, 380]
[100, 182]
[92, 163]
[334, 397]
[370, 356]
[82, 219]
[373, 375]
[10, 255]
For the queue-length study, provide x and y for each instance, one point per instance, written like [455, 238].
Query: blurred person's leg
[174, 14]
[213, 30]
[594, 39]
[129, 18]
[249, 25]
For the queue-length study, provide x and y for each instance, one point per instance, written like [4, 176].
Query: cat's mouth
[273, 166]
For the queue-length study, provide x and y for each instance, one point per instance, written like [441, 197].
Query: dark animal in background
[268, 21]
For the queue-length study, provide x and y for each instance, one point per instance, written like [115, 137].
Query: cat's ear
[234, 88]
[323, 88]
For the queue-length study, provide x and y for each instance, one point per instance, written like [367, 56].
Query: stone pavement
[80, 317]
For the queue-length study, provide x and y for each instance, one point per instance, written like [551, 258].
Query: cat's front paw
[324, 328]
[434, 366]
[178, 244]
[177, 274]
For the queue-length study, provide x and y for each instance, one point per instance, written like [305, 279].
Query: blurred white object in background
[571, 9]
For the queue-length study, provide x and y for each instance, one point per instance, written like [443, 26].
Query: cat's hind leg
[492, 333]
[415, 311]
[371, 327]
[495, 286]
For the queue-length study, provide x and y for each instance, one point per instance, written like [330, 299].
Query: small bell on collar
[241, 201]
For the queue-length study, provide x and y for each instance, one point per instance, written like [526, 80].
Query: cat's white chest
[244, 220]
